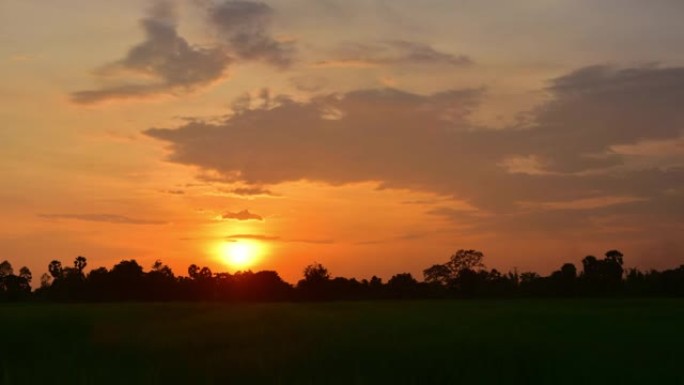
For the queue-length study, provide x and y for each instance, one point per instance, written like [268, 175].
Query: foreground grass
[421, 342]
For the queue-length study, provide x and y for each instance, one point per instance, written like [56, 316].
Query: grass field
[421, 342]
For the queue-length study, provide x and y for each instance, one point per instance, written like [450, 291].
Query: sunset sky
[372, 136]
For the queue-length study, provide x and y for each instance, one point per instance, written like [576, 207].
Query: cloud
[412, 236]
[311, 241]
[583, 204]
[243, 215]
[272, 238]
[640, 219]
[244, 27]
[392, 52]
[259, 237]
[174, 192]
[250, 191]
[576, 148]
[110, 218]
[165, 63]
[597, 107]
[307, 144]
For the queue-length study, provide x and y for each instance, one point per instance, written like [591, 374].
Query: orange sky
[373, 137]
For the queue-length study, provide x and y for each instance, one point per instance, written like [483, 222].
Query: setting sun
[240, 254]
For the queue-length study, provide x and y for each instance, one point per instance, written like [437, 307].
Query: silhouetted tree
[531, 284]
[316, 273]
[569, 271]
[261, 286]
[161, 269]
[403, 286]
[13, 287]
[55, 269]
[602, 276]
[80, 264]
[499, 285]
[45, 280]
[25, 273]
[204, 273]
[193, 271]
[438, 274]
[100, 285]
[466, 260]
[126, 280]
[160, 283]
[316, 283]
[564, 281]
[613, 265]
[6, 269]
[463, 274]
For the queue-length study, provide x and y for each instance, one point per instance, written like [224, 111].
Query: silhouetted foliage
[316, 283]
[6, 269]
[25, 273]
[55, 269]
[602, 276]
[462, 276]
[80, 263]
[403, 286]
[14, 287]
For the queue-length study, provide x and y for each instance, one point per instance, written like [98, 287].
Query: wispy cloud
[249, 191]
[273, 238]
[165, 63]
[243, 215]
[392, 52]
[244, 27]
[109, 218]
[259, 237]
[582, 204]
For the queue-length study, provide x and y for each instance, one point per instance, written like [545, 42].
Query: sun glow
[240, 254]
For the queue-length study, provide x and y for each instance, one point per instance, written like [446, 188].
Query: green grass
[421, 342]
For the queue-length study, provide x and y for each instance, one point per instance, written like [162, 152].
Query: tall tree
[80, 264]
[6, 269]
[25, 273]
[55, 269]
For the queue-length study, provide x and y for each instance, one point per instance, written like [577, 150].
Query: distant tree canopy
[14, 287]
[463, 275]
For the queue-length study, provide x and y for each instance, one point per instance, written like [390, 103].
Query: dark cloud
[243, 215]
[364, 135]
[393, 52]
[165, 63]
[599, 106]
[660, 215]
[173, 64]
[110, 218]
[250, 191]
[564, 159]
[244, 27]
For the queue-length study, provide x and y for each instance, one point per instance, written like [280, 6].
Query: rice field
[405, 342]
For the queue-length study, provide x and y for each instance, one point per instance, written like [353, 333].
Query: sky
[372, 136]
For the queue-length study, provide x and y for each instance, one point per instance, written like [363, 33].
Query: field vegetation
[563, 341]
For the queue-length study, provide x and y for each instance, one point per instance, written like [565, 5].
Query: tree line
[463, 275]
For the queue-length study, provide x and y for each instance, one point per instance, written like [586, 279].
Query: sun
[241, 254]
